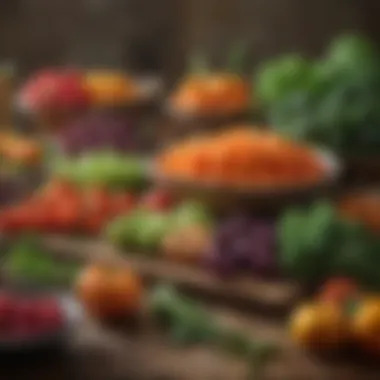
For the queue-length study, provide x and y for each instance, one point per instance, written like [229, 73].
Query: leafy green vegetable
[332, 102]
[27, 259]
[188, 323]
[316, 242]
[282, 76]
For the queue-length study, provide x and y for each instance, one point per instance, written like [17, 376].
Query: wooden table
[97, 353]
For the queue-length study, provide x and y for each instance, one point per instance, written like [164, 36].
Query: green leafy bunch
[316, 243]
[332, 101]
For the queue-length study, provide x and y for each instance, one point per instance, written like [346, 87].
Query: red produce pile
[63, 208]
[23, 317]
[50, 90]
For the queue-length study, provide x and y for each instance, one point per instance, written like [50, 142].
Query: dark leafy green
[188, 323]
[332, 102]
[315, 243]
[28, 260]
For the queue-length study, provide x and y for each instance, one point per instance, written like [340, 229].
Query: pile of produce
[28, 260]
[211, 94]
[110, 88]
[67, 90]
[54, 90]
[205, 91]
[333, 101]
[244, 244]
[19, 151]
[341, 316]
[110, 292]
[29, 317]
[182, 233]
[64, 208]
[244, 158]
[318, 242]
[111, 170]
[96, 132]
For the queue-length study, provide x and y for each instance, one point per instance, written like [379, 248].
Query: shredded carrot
[242, 157]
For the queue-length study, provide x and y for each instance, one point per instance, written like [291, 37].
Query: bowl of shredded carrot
[246, 164]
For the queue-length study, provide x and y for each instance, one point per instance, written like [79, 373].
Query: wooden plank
[273, 297]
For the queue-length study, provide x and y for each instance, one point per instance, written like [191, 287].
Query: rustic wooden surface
[99, 352]
[157, 35]
[275, 297]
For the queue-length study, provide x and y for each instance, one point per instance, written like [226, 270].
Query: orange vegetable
[20, 150]
[242, 157]
[109, 291]
[108, 88]
[212, 94]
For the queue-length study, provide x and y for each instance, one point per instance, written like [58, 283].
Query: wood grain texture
[158, 35]
[271, 297]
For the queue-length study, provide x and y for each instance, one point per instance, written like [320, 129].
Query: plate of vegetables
[241, 165]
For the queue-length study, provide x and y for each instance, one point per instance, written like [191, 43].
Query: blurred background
[156, 36]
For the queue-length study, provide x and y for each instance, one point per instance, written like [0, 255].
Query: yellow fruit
[365, 325]
[319, 326]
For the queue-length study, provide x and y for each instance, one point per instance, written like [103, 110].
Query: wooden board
[273, 297]
[98, 352]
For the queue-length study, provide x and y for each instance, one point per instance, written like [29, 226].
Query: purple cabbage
[244, 244]
[96, 132]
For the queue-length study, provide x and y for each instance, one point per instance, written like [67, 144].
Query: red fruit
[98, 201]
[55, 89]
[157, 200]
[66, 217]
[37, 90]
[69, 93]
[122, 203]
[339, 290]
[17, 219]
[55, 191]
